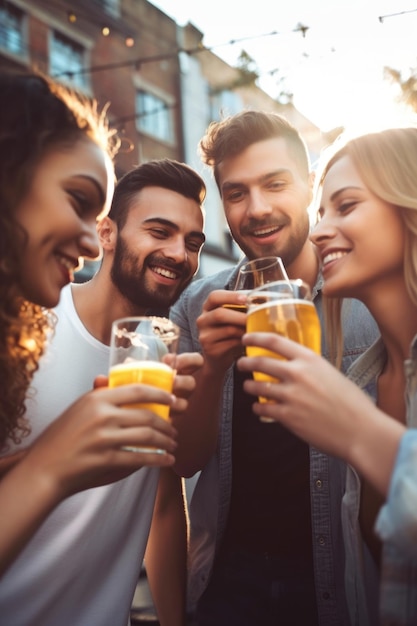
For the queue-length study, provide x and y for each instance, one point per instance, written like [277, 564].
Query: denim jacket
[210, 501]
[397, 520]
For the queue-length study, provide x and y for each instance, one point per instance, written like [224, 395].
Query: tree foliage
[407, 85]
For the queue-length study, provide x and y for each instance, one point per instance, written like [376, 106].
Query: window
[111, 7]
[11, 29]
[154, 116]
[66, 59]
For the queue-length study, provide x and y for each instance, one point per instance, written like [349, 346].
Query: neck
[305, 266]
[396, 316]
[98, 303]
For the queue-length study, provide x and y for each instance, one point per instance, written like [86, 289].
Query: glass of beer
[143, 350]
[284, 307]
[256, 273]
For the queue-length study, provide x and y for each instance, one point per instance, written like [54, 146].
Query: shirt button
[319, 484]
[321, 541]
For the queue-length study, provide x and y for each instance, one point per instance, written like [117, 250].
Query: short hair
[233, 134]
[166, 173]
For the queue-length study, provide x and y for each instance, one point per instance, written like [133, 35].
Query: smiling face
[66, 195]
[158, 248]
[360, 238]
[265, 198]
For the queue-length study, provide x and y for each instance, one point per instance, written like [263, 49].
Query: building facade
[162, 85]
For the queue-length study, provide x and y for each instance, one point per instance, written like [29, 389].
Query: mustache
[179, 268]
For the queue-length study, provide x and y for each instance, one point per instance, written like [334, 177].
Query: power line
[381, 18]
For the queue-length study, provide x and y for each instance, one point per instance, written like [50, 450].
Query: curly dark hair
[37, 115]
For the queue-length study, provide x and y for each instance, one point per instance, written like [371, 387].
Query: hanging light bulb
[129, 42]
[105, 31]
[72, 18]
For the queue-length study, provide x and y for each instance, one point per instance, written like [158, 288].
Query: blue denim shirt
[397, 520]
[210, 501]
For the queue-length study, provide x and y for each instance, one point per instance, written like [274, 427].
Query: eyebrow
[262, 179]
[337, 193]
[197, 234]
[91, 179]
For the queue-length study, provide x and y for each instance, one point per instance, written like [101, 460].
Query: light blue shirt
[396, 523]
[210, 501]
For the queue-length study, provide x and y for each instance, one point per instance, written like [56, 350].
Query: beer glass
[256, 273]
[143, 350]
[286, 308]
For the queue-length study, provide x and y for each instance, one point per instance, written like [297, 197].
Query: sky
[335, 72]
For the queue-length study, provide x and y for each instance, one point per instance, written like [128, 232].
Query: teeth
[164, 272]
[264, 231]
[66, 262]
[332, 256]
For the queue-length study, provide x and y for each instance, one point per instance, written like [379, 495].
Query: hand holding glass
[286, 308]
[143, 350]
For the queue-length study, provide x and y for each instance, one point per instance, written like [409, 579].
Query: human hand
[221, 329]
[187, 364]
[83, 448]
[313, 399]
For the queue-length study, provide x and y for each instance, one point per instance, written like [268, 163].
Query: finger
[100, 381]
[144, 437]
[130, 417]
[180, 405]
[277, 343]
[189, 362]
[137, 393]
[269, 390]
[183, 386]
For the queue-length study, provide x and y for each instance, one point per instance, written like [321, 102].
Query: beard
[130, 280]
[288, 252]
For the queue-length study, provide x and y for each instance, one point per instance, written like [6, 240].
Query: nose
[176, 250]
[258, 205]
[88, 243]
[323, 231]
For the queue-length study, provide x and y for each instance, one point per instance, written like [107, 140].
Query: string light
[105, 31]
[72, 18]
[171, 55]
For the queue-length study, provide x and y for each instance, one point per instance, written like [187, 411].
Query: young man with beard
[266, 541]
[81, 568]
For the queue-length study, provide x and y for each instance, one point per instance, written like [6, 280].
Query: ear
[107, 233]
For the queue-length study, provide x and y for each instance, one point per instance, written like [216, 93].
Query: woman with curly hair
[366, 240]
[56, 179]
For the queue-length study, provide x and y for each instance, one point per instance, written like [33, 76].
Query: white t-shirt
[82, 566]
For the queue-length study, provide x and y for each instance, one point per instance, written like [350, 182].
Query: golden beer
[292, 318]
[151, 373]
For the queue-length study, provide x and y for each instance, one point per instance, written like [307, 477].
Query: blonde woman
[366, 240]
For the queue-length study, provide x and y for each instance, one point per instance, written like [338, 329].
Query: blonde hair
[387, 163]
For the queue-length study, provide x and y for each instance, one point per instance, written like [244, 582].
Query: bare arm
[80, 450]
[220, 331]
[8, 462]
[166, 552]
[323, 407]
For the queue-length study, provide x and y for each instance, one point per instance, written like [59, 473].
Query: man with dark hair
[266, 543]
[81, 568]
